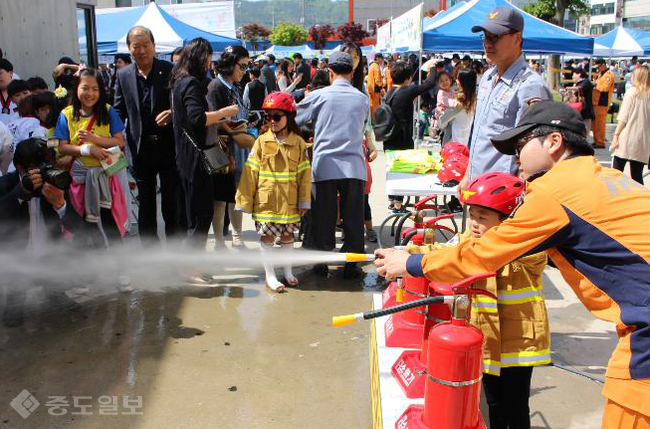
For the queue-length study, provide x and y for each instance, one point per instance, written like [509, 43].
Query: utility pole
[302, 19]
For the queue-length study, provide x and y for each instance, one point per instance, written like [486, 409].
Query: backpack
[386, 125]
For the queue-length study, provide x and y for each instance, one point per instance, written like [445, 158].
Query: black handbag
[215, 158]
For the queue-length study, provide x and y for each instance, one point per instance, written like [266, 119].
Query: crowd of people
[289, 143]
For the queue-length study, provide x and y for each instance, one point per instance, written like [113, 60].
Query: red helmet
[454, 168]
[279, 101]
[452, 148]
[497, 191]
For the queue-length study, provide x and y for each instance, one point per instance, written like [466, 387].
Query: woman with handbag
[190, 116]
[224, 91]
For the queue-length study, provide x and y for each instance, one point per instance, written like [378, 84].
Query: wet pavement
[233, 355]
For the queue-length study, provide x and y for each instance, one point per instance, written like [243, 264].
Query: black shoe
[351, 271]
[13, 317]
[321, 270]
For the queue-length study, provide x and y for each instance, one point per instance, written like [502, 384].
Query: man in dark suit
[37, 223]
[142, 99]
[302, 68]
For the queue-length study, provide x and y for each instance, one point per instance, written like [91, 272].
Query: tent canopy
[451, 30]
[287, 51]
[169, 33]
[622, 42]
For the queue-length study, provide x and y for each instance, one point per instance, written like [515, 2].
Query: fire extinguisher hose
[338, 321]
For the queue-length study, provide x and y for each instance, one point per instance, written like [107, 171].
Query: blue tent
[623, 42]
[451, 30]
[168, 31]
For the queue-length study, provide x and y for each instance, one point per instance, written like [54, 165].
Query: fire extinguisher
[455, 365]
[454, 360]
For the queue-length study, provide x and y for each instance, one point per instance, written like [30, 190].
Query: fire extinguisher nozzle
[338, 321]
[359, 257]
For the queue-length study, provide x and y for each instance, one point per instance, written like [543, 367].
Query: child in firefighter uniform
[276, 183]
[515, 326]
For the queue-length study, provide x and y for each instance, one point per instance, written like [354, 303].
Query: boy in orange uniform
[592, 222]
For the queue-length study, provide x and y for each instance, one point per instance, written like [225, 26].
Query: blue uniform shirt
[501, 102]
[339, 113]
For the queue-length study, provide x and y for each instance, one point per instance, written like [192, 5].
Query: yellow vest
[74, 126]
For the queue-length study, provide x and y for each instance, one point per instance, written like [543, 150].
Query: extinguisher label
[389, 326]
[403, 422]
[405, 372]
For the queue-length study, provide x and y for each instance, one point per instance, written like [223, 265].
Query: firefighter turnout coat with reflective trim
[592, 221]
[276, 180]
[515, 326]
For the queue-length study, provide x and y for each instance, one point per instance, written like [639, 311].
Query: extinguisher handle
[481, 292]
[423, 202]
[464, 287]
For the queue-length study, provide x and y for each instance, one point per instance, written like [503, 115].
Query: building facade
[608, 14]
[35, 33]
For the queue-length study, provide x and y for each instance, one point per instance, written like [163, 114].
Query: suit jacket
[127, 101]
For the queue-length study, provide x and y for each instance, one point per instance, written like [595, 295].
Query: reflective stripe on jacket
[276, 181]
[515, 325]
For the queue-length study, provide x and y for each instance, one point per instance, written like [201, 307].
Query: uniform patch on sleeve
[533, 100]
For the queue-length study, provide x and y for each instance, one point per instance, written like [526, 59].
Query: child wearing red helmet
[276, 183]
[515, 326]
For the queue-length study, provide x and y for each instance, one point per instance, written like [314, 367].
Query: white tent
[622, 42]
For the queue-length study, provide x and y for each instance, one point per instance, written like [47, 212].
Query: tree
[553, 11]
[374, 25]
[254, 33]
[320, 33]
[351, 32]
[430, 13]
[288, 34]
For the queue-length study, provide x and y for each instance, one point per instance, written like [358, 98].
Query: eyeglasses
[519, 146]
[242, 66]
[494, 38]
[276, 117]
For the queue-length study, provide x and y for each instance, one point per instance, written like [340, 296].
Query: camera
[50, 174]
[38, 153]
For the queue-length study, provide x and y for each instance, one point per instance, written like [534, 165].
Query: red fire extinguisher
[455, 366]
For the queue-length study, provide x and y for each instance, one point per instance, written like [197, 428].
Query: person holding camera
[34, 215]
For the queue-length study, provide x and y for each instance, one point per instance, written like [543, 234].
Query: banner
[217, 17]
[406, 31]
[383, 38]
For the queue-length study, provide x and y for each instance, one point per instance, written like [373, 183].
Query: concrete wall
[34, 34]
[637, 8]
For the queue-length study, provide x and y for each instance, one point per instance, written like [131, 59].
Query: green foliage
[288, 34]
[543, 9]
[548, 9]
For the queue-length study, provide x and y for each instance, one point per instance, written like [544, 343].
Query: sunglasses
[494, 38]
[276, 117]
[519, 145]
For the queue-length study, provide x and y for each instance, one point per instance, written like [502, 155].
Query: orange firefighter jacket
[515, 326]
[593, 222]
[276, 180]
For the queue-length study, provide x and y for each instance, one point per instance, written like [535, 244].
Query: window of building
[602, 9]
[87, 34]
[638, 22]
[123, 3]
[600, 29]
